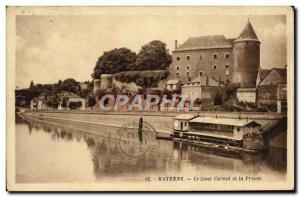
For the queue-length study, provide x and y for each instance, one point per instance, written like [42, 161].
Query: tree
[31, 85]
[70, 85]
[91, 101]
[114, 61]
[153, 56]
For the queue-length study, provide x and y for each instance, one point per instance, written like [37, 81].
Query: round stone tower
[246, 58]
[106, 81]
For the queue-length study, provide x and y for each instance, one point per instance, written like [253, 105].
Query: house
[272, 91]
[181, 122]
[208, 90]
[70, 100]
[247, 95]
[38, 103]
[173, 84]
[76, 103]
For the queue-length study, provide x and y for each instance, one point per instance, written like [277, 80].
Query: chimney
[176, 44]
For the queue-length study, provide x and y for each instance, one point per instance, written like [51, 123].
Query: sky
[54, 47]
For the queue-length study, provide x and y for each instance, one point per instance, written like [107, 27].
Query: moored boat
[219, 133]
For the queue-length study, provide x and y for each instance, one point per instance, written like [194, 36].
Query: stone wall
[203, 60]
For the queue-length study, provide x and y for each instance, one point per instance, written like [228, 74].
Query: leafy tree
[70, 85]
[91, 101]
[153, 56]
[114, 61]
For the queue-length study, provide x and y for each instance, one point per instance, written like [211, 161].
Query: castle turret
[246, 55]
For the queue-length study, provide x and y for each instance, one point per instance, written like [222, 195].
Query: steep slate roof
[263, 73]
[282, 72]
[247, 33]
[206, 42]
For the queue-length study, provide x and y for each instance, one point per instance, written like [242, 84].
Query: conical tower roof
[247, 34]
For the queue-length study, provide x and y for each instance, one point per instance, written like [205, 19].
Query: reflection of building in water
[243, 163]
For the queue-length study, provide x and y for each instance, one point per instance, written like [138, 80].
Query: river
[52, 153]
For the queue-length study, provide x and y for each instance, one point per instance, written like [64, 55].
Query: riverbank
[161, 121]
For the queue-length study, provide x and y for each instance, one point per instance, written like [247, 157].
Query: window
[177, 68]
[188, 74]
[227, 69]
[226, 55]
[188, 57]
[215, 56]
[177, 74]
[238, 129]
[201, 57]
[188, 67]
[200, 73]
[178, 58]
[189, 79]
[214, 67]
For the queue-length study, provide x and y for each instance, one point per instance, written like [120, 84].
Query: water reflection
[100, 146]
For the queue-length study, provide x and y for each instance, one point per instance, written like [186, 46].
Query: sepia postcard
[150, 98]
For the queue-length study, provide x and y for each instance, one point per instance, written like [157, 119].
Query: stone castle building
[229, 60]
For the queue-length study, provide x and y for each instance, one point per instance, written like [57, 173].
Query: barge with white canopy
[220, 133]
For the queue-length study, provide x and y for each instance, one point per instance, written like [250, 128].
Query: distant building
[205, 89]
[38, 103]
[247, 95]
[76, 103]
[173, 84]
[232, 60]
[272, 90]
[70, 100]
[83, 85]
